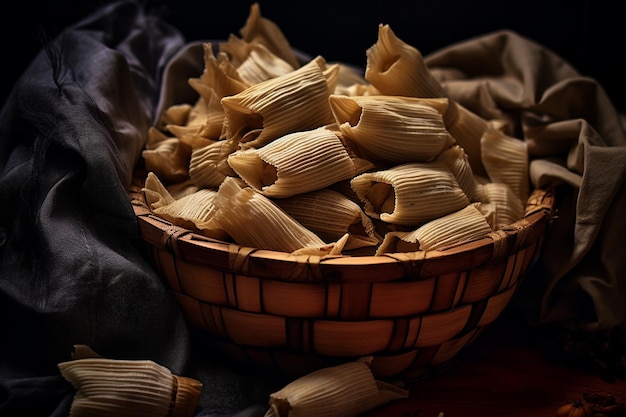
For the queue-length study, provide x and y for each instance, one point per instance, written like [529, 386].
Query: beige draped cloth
[576, 142]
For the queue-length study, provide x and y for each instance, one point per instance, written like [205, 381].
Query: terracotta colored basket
[413, 312]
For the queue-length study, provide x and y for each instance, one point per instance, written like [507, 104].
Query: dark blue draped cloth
[73, 268]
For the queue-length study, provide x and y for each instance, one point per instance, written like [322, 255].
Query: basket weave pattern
[413, 312]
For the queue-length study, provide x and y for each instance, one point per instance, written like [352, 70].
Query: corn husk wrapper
[479, 190]
[196, 123]
[451, 230]
[396, 68]
[189, 139]
[506, 161]
[330, 215]
[192, 208]
[176, 114]
[351, 82]
[410, 194]
[197, 116]
[508, 206]
[219, 74]
[467, 129]
[128, 388]
[155, 192]
[166, 156]
[488, 210]
[218, 79]
[270, 109]
[328, 250]
[254, 62]
[212, 121]
[252, 220]
[295, 163]
[345, 188]
[393, 130]
[203, 169]
[193, 211]
[259, 29]
[345, 390]
[457, 162]
[181, 189]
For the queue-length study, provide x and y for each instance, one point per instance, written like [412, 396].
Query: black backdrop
[588, 34]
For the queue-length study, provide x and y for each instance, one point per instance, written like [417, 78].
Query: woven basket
[413, 312]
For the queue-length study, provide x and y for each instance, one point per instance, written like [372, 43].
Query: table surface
[502, 373]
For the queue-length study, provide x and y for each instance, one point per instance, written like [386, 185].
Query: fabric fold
[568, 121]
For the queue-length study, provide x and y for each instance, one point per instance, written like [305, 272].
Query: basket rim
[194, 247]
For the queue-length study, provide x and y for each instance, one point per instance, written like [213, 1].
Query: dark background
[589, 35]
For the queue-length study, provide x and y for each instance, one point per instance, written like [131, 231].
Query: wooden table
[503, 373]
